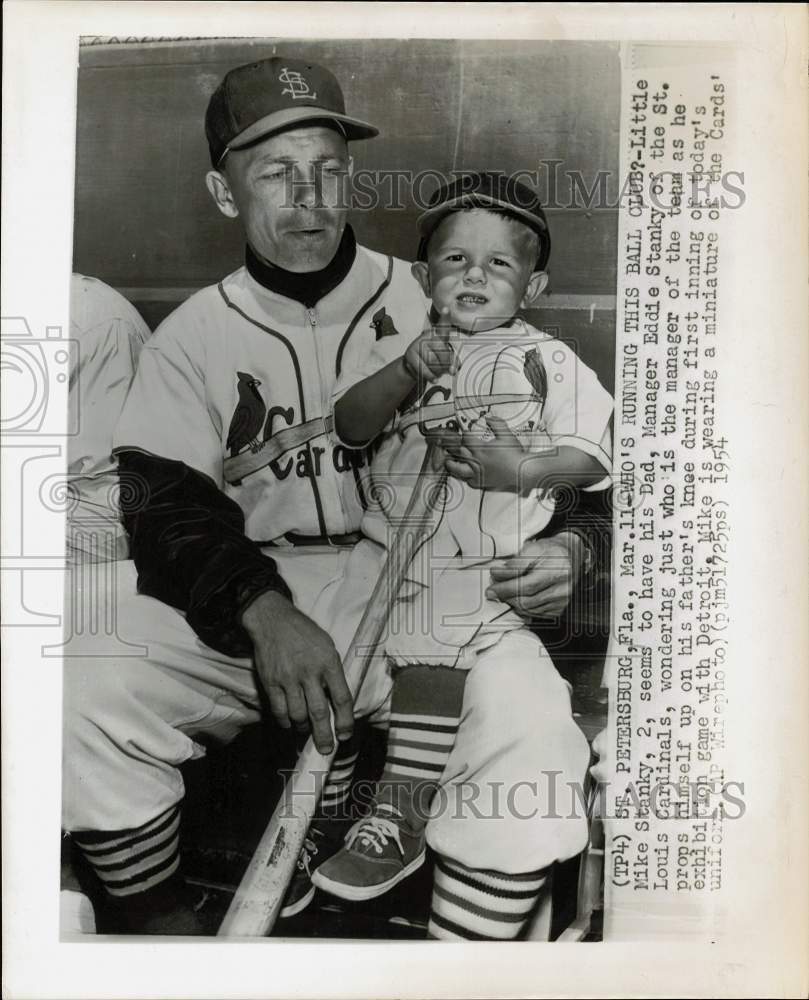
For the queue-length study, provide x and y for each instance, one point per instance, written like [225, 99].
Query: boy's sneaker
[323, 839]
[379, 852]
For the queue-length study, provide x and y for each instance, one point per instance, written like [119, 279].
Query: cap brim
[428, 220]
[281, 120]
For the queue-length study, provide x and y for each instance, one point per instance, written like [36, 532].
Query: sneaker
[379, 852]
[321, 843]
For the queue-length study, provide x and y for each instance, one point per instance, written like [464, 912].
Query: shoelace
[375, 832]
[308, 851]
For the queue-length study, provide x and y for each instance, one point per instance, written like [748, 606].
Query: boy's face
[481, 269]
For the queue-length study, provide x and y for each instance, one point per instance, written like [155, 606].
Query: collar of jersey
[308, 288]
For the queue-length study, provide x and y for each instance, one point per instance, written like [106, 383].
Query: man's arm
[190, 550]
[564, 573]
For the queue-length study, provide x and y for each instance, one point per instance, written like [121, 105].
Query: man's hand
[297, 664]
[539, 582]
[431, 354]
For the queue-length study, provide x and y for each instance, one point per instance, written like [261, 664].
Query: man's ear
[421, 273]
[537, 284]
[219, 188]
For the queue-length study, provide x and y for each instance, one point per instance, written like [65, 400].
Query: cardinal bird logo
[534, 371]
[248, 417]
[383, 324]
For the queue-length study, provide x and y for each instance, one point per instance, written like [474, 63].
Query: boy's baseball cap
[271, 95]
[487, 190]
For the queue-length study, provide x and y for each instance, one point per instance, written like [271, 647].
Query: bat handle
[257, 902]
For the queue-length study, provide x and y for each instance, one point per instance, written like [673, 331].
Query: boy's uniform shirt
[548, 398]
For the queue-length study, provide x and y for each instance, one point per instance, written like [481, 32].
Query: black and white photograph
[404, 550]
[330, 238]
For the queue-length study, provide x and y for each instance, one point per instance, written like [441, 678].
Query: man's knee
[120, 749]
[105, 704]
[97, 684]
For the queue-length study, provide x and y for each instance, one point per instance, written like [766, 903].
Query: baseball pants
[506, 799]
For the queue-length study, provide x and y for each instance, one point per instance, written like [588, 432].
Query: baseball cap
[487, 190]
[271, 95]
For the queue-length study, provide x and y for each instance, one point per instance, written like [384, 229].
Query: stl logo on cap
[297, 85]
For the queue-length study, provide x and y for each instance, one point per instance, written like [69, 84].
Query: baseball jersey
[532, 381]
[237, 383]
[108, 333]
[548, 398]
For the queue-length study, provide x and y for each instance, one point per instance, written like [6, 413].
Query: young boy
[516, 414]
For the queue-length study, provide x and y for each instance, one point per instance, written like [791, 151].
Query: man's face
[481, 268]
[289, 192]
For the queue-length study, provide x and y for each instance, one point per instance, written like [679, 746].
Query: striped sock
[132, 861]
[425, 712]
[337, 788]
[471, 905]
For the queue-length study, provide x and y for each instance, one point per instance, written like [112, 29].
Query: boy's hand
[539, 582]
[486, 463]
[431, 354]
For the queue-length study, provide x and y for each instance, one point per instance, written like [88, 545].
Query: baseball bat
[255, 906]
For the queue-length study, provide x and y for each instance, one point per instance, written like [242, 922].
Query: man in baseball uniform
[247, 518]
[109, 334]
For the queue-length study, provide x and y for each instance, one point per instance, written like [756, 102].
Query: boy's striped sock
[472, 905]
[425, 713]
[134, 861]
